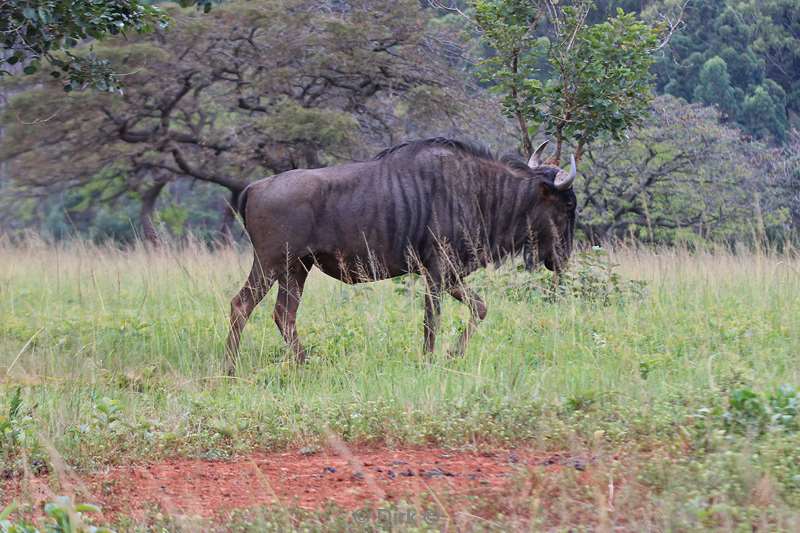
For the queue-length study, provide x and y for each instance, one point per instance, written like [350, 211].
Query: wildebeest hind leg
[432, 312]
[242, 305]
[290, 290]
[477, 309]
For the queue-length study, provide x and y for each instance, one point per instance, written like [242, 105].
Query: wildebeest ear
[546, 189]
[536, 158]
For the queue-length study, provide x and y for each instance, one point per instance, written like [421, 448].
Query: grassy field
[683, 386]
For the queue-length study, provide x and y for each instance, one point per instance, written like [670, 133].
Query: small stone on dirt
[577, 464]
[437, 472]
[309, 450]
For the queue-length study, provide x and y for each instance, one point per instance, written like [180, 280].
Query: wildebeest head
[551, 243]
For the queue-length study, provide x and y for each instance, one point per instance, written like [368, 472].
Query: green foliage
[64, 517]
[784, 406]
[175, 218]
[746, 411]
[6, 526]
[11, 426]
[715, 87]
[69, 517]
[682, 176]
[18, 437]
[346, 85]
[324, 129]
[764, 115]
[576, 80]
[33, 31]
[519, 57]
[759, 45]
[592, 278]
[108, 415]
[605, 78]
[750, 412]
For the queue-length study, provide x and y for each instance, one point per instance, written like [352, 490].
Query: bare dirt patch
[350, 478]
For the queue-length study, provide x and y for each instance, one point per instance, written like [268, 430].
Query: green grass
[119, 355]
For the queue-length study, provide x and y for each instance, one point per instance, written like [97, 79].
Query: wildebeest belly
[360, 268]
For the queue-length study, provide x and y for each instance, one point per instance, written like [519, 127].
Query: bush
[750, 412]
[591, 277]
[17, 433]
[64, 517]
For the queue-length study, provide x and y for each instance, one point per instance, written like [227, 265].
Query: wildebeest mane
[479, 151]
[473, 149]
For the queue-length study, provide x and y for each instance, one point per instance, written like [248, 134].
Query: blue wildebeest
[437, 207]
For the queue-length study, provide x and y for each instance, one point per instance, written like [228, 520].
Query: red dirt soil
[352, 478]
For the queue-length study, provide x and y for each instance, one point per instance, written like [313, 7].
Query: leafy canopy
[742, 56]
[681, 176]
[225, 99]
[32, 31]
[35, 30]
[557, 71]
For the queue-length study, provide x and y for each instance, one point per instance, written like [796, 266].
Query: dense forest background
[249, 89]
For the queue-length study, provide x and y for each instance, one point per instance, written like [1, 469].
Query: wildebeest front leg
[432, 311]
[477, 309]
[242, 305]
[290, 290]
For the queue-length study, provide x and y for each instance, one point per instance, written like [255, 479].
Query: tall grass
[118, 354]
[146, 327]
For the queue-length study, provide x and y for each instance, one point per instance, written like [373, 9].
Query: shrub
[64, 517]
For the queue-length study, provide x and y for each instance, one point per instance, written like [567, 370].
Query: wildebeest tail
[241, 203]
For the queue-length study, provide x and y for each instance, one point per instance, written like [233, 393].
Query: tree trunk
[311, 157]
[579, 151]
[522, 124]
[556, 159]
[149, 197]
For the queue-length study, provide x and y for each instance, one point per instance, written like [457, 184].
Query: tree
[780, 168]
[714, 87]
[682, 175]
[759, 42]
[776, 39]
[554, 69]
[254, 90]
[764, 112]
[789, 173]
[32, 31]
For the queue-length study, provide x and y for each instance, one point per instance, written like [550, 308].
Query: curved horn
[536, 158]
[564, 179]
